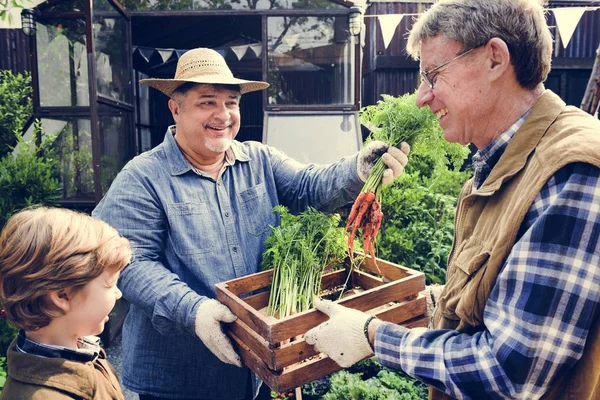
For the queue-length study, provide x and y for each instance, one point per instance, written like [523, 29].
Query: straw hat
[202, 65]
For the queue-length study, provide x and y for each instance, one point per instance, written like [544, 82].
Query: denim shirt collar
[179, 165]
[89, 349]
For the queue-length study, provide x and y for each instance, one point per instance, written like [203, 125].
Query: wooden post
[591, 96]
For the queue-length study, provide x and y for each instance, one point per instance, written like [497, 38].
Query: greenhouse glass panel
[72, 144]
[167, 5]
[116, 147]
[112, 72]
[66, 6]
[314, 138]
[62, 63]
[310, 61]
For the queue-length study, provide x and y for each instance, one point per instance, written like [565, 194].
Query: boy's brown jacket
[36, 378]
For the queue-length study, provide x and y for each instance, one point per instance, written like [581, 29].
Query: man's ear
[498, 57]
[174, 107]
[61, 299]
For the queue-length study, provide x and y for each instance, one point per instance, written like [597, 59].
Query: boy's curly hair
[46, 249]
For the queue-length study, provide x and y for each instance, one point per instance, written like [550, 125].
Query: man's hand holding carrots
[394, 158]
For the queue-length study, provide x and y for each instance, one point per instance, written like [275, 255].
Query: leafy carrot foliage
[299, 250]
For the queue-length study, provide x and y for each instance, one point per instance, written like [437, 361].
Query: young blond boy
[58, 277]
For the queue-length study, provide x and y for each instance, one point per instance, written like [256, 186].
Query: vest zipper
[459, 209]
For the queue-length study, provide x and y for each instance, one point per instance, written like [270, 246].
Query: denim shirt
[188, 232]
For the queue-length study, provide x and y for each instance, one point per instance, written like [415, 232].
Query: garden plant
[28, 171]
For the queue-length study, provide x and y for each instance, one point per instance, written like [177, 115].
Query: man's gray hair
[521, 24]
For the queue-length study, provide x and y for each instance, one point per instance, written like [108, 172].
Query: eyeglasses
[429, 76]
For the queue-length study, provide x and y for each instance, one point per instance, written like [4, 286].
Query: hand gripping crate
[275, 349]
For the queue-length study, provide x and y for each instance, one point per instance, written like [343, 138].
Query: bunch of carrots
[392, 120]
[366, 214]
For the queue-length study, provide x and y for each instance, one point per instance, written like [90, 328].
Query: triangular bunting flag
[240, 51]
[291, 40]
[165, 54]
[256, 48]
[145, 53]
[388, 24]
[566, 21]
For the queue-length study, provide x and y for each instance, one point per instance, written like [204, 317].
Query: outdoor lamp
[28, 16]
[355, 20]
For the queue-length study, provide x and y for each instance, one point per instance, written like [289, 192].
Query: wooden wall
[14, 50]
[390, 71]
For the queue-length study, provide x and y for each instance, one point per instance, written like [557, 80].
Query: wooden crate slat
[385, 268]
[249, 283]
[292, 377]
[259, 346]
[263, 341]
[418, 322]
[333, 279]
[369, 299]
[253, 362]
[300, 374]
[253, 318]
[295, 325]
[258, 301]
[291, 353]
[365, 281]
[297, 350]
[389, 292]
[400, 312]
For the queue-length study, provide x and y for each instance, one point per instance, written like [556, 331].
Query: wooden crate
[271, 347]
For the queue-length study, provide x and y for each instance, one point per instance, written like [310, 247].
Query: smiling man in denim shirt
[197, 209]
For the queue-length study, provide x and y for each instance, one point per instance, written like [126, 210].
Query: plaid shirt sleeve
[539, 312]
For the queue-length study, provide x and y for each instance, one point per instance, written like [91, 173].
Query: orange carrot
[355, 208]
[366, 204]
[376, 219]
[367, 243]
[357, 222]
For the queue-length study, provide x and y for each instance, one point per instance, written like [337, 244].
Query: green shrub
[26, 178]
[418, 227]
[366, 380]
[7, 334]
[418, 224]
[15, 108]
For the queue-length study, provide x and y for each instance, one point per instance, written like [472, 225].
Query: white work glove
[343, 337]
[209, 316]
[394, 158]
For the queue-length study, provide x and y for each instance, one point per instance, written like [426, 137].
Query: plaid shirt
[88, 350]
[539, 312]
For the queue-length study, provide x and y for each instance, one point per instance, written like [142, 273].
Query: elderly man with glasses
[519, 316]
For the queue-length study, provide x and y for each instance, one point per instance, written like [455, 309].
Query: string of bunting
[566, 18]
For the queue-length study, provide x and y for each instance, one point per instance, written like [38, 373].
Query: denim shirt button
[234, 249]
[226, 214]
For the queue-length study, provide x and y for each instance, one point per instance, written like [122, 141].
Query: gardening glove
[343, 337]
[209, 316]
[394, 158]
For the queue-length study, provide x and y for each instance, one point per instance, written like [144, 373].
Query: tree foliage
[27, 178]
[15, 108]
